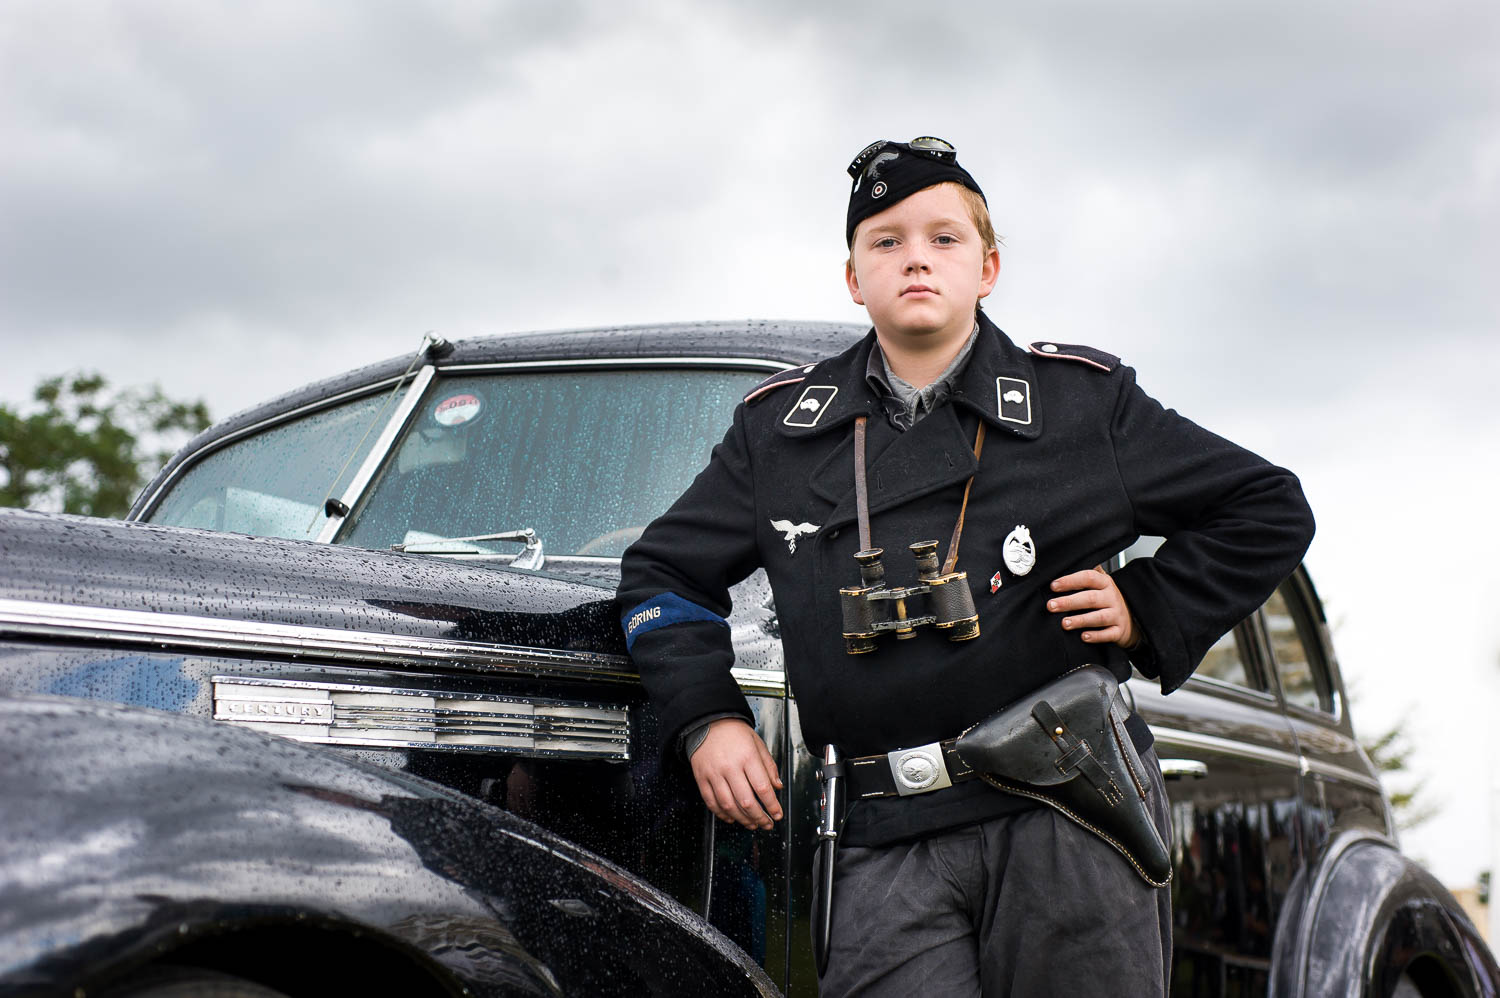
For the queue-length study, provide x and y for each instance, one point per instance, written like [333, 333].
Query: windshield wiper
[530, 558]
[332, 506]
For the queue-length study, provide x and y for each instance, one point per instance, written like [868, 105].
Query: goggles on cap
[923, 145]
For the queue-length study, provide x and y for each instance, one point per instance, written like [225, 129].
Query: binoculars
[872, 608]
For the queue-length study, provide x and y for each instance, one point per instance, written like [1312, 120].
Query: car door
[1340, 790]
[1231, 764]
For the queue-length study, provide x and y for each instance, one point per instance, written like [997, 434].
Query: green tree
[83, 448]
[1391, 751]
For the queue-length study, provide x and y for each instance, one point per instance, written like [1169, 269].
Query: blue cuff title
[663, 611]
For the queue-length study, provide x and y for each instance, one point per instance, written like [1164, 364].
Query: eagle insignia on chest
[791, 531]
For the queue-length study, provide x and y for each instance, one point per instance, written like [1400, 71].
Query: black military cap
[886, 172]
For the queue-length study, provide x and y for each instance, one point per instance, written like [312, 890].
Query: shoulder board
[1076, 352]
[790, 376]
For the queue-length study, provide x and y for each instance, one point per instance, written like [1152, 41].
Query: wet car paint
[245, 831]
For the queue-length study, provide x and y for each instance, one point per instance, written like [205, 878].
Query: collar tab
[1000, 384]
[833, 392]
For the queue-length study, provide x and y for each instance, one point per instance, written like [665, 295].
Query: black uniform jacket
[1074, 452]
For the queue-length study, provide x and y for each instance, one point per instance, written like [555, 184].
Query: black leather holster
[1066, 746]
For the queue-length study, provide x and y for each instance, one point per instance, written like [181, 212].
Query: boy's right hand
[736, 774]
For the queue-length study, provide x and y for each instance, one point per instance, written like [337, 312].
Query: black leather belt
[920, 770]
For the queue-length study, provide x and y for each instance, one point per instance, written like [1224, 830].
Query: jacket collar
[998, 383]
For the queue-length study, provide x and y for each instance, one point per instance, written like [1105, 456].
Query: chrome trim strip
[1182, 768]
[1290, 760]
[1216, 685]
[332, 713]
[378, 451]
[254, 428]
[297, 640]
[1227, 746]
[748, 363]
[764, 681]
[412, 691]
[506, 558]
[1336, 772]
[215, 634]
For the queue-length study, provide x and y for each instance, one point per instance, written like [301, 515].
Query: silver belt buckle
[919, 770]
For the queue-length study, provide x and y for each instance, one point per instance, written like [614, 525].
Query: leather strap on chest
[862, 495]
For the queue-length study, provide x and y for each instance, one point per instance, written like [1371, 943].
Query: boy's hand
[1104, 618]
[736, 774]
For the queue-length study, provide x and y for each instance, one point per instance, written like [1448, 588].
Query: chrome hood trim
[217, 634]
[180, 630]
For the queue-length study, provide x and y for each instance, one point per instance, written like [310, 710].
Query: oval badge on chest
[1019, 551]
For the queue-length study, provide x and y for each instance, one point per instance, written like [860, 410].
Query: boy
[1044, 462]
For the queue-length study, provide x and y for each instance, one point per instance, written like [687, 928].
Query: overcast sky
[1285, 215]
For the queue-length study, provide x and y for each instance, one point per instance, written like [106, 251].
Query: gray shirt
[906, 404]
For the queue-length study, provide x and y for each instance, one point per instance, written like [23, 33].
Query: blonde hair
[979, 214]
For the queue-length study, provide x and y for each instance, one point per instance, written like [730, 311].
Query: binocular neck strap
[958, 527]
[862, 494]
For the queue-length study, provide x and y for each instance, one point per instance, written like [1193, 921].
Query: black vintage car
[408, 570]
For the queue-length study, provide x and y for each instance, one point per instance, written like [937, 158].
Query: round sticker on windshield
[456, 410]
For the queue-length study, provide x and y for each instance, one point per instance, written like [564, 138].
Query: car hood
[86, 561]
[127, 832]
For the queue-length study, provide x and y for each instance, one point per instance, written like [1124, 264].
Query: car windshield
[585, 458]
[271, 484]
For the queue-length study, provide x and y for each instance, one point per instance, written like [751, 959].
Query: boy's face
[919, 268]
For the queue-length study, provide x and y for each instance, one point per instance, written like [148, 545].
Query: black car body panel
[510, 688]
[150, 835]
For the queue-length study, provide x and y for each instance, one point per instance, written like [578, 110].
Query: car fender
[129, 836]
[1362, 916]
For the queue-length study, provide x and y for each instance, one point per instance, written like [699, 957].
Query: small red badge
[994, 582]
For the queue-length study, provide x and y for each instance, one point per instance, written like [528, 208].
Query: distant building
[1478, 912]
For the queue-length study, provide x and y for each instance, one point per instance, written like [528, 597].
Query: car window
[1294, 645]
[586, 458]
[272, 483]
[1226, 662]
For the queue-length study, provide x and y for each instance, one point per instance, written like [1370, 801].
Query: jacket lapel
[998, 384]
[930, 456]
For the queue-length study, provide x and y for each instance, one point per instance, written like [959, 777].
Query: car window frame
[1308, 620]
[159, 492]
[1305, 609]
[1257, 667]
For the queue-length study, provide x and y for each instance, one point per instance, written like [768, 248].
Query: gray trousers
[1027, 904]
